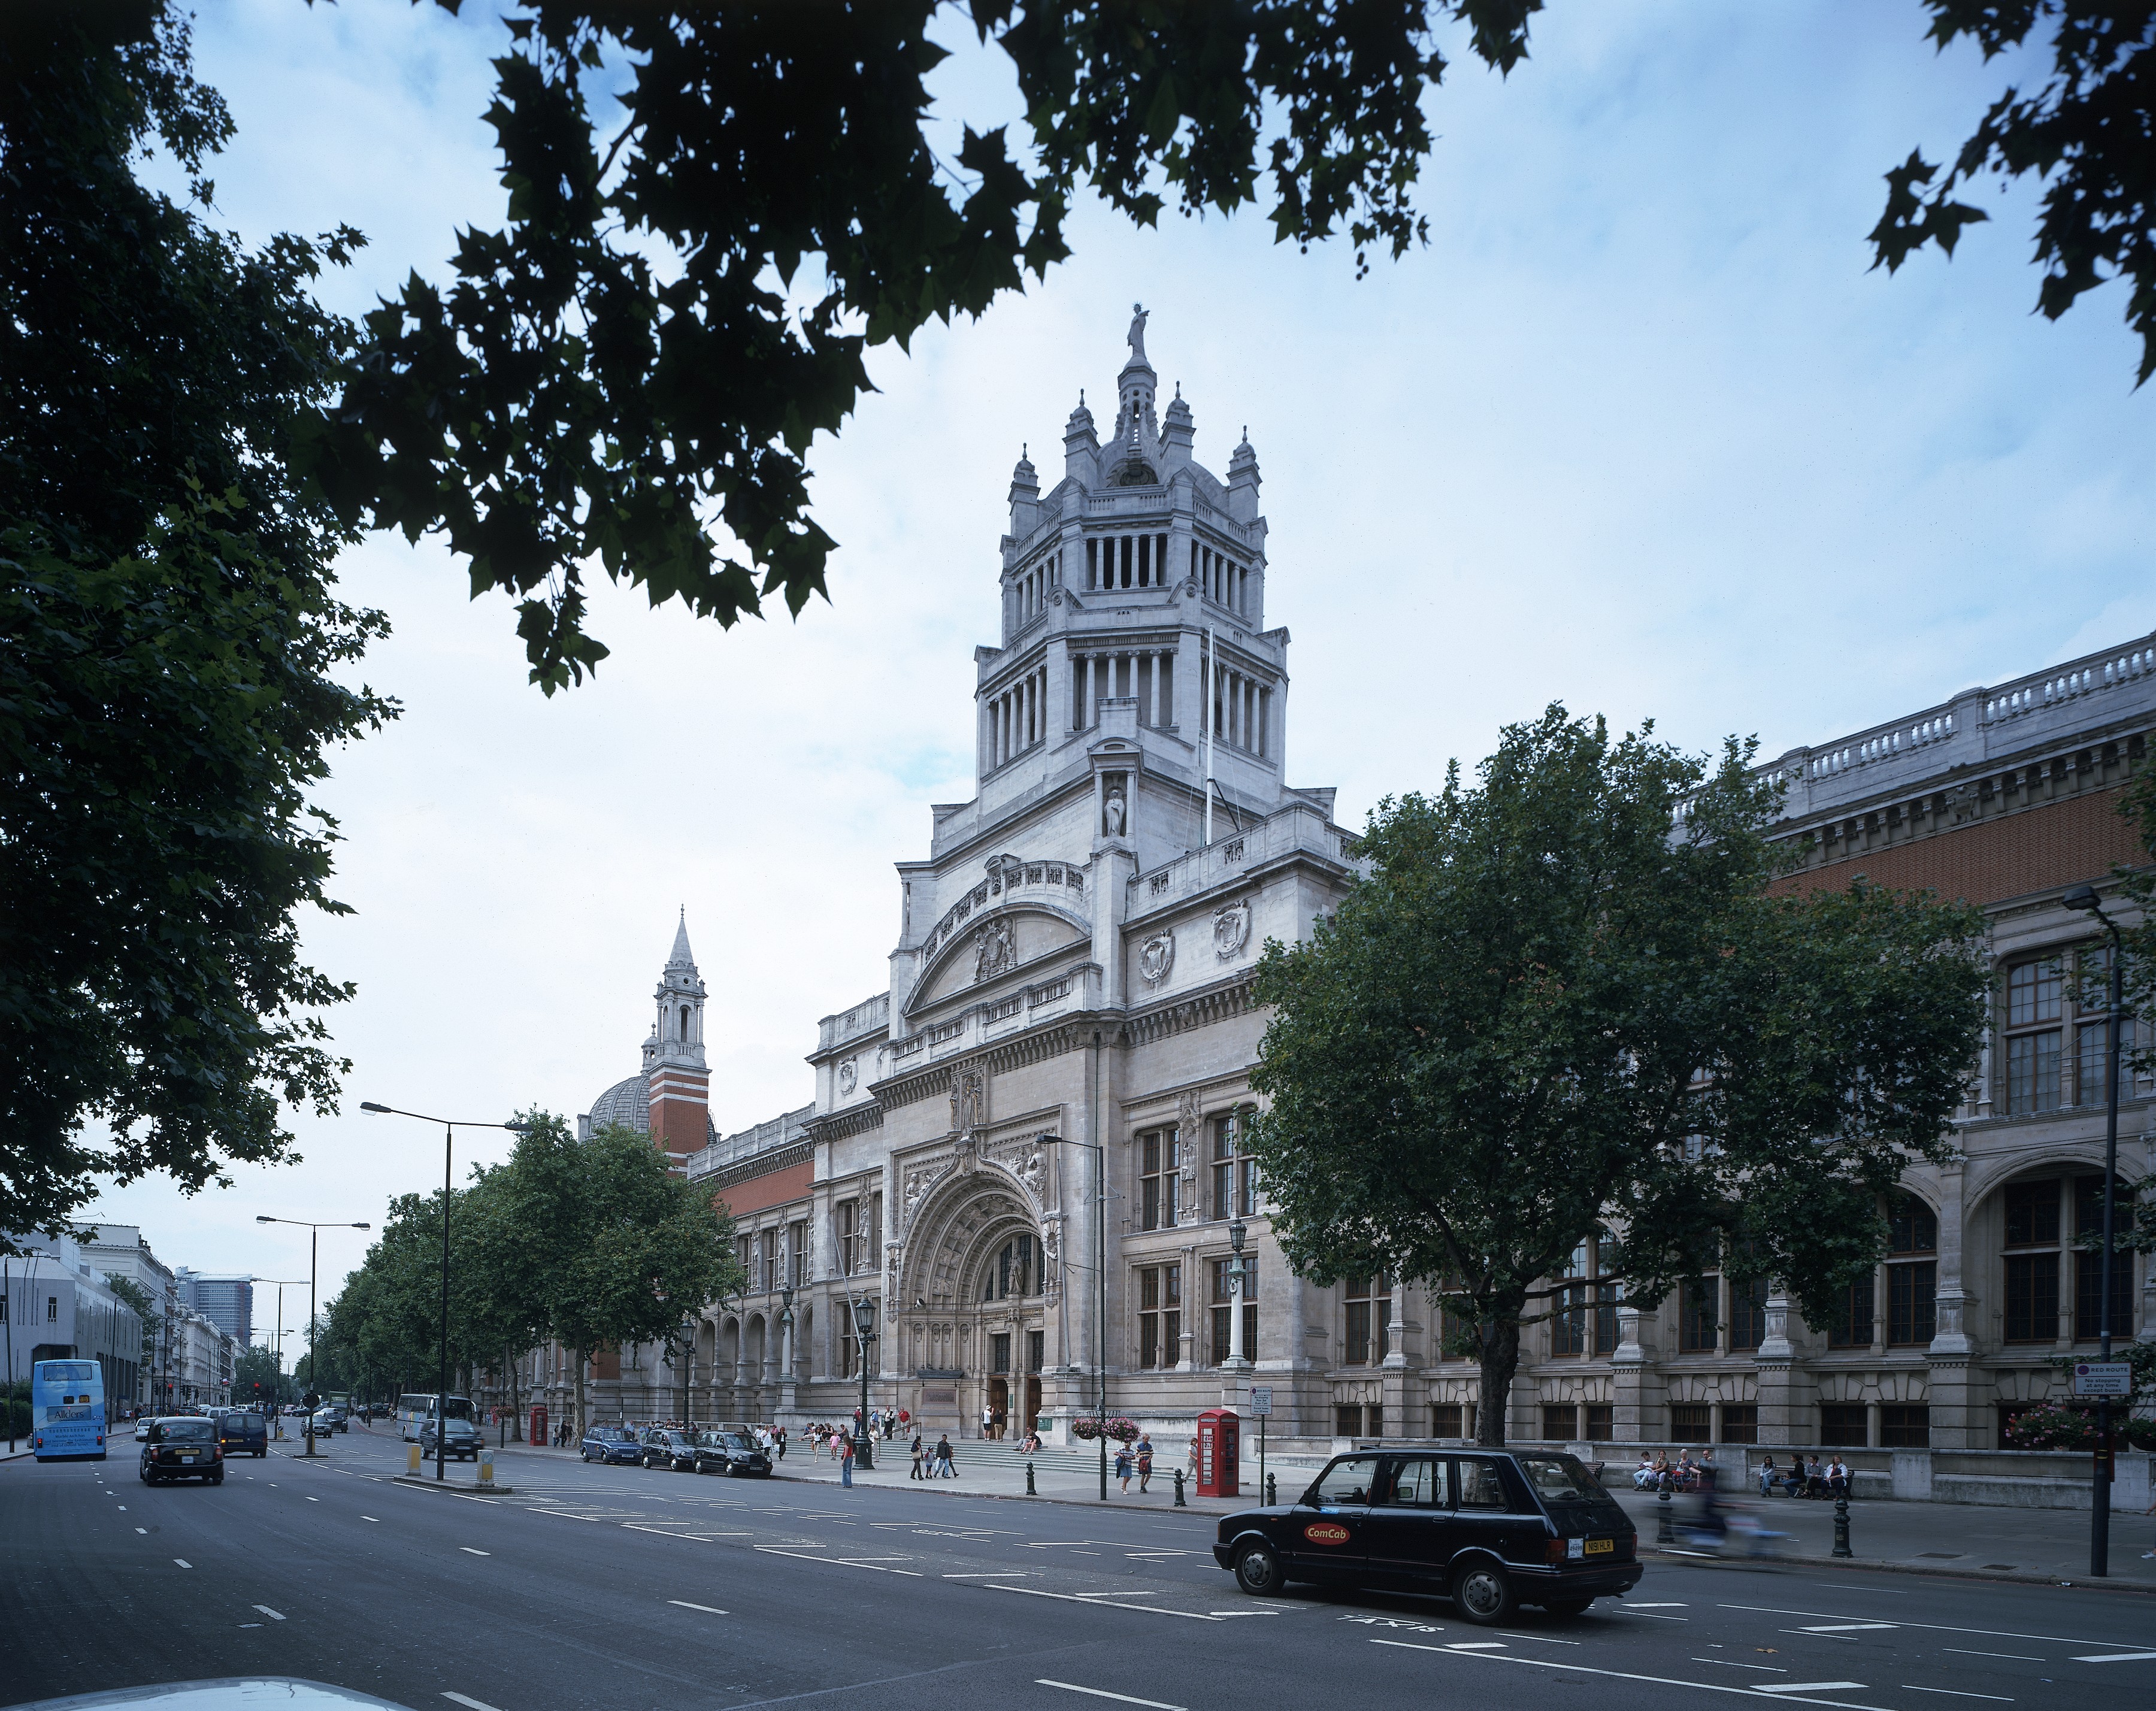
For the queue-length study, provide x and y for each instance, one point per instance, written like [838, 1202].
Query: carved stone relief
[919, 1180]
[969, 1099]
[1157, 957]
[995, 949]
[850, 1073]
[1231, 928]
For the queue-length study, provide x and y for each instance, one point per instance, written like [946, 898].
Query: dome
[627, 1104]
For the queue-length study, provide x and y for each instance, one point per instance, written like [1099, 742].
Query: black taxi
[1491, 1529]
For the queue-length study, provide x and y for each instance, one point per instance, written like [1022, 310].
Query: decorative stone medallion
[850, 1072]
[1157, 957]
[1231, 928]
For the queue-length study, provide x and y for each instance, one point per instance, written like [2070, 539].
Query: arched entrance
[974, 1286]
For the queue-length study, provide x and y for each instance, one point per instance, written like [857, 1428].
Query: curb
[458, 1490]
[2085, 1583]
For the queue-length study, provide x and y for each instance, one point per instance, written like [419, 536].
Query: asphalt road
[612, 1587]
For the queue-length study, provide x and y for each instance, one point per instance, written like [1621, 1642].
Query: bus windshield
[67, 1408]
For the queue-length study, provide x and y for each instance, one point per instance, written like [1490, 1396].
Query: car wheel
[1566, 1606]
[216, 1479]
[1482, 1593]
[1258, 1571]
[143, 1474]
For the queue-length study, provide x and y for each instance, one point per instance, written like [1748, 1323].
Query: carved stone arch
[1986, 1177]
[953, 1230]
[960, 943]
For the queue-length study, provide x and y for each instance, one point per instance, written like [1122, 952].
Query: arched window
[684, 1021]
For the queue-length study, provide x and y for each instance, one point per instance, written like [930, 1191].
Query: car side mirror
[1308, 1500]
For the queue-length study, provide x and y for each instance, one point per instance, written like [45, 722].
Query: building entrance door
[998, 1404]
[1031, 1416]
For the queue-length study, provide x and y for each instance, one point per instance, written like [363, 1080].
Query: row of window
[2054, 1040]
[1230, 1186]
[1841, 1425]
[767, 1266]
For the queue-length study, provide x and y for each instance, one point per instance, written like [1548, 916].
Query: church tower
[674, 1067]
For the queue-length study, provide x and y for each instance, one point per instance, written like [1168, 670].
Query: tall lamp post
[2084, 897]
[448, 1148]
[688, 1371]
[1100, 1282]
[864, 1334]
[314, 1247]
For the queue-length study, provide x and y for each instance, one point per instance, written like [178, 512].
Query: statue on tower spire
[1137, 334]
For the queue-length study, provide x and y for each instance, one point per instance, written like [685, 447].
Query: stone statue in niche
[1231, 928]
[1051, 1251]
[969, 1100]
[995, 949]
[1113, 813]
[1157, 957]
[850, 1073]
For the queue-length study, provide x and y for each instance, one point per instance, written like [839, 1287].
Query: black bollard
[1179, 1502]
[1841, 1526]
[1029, 1491]
[1663, 1535]
[1272, 1491]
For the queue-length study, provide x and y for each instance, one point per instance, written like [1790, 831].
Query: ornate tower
[674, 1067]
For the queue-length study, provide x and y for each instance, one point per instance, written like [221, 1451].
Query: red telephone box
[1220, 1453]
[539, 1425]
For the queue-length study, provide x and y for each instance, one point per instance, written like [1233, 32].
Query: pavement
[670, 1589]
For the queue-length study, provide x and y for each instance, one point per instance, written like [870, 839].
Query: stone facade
[1021, 1158]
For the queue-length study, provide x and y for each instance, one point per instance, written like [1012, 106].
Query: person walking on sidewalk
[845, 1458]
[1123, 1466]
[778, 1443]
[917, 1459]
[1145, 1462]
[946, 1468]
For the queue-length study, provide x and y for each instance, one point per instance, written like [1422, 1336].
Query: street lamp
[448, 1147]
[688, 1371]
[2084, 897]
[785, 1338]
[864, 1334]
[314, 1244]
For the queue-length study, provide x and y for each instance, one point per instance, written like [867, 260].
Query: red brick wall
[774, 1188]
[2057, 845]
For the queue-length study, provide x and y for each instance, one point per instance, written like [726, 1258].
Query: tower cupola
[673, 1055]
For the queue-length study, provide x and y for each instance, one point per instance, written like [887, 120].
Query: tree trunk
[1498, 1346]
[578, 1425]
[516, 1413]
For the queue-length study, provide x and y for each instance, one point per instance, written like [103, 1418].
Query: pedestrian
[1123, 1466]
[845, 1459]
[916, 1473]
[1194, 1456]
[946, 1468]
[1145, 1462]
[987, 1422]
[1767, 1475]
[779, 1442]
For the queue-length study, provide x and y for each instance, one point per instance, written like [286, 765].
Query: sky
[1637, 430]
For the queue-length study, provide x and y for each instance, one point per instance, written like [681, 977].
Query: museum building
[1022, 1164]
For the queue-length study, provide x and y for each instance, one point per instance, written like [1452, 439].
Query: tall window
[1747, 1315]
[1160, 1166]
[1160, 1315]
[797, 1254]
[2088, 1267]
[1370, 1319]
[768, 1269]
[1584, 1315]
[2035, 1005]
[1013, 1273]
[1855, 1313]
[2091, 1064]
[744, 1252]
[1911, 1281]
[1224, 1303]
[1235, 1173]
[850, 1245]
[1699, 1321]
[2032, 1261]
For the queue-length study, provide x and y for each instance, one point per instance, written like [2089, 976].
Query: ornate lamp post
[448, 1148]
[865, 1332]
[314, 1244]
[2084, 897]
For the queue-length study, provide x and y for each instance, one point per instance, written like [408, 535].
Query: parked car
[611, 1443]
[664, 1447]
[731, 1452]
[182, 1447]
[1491, 1529]
[460, 1443]
[241, 1433]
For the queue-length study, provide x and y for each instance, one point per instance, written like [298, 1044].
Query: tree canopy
[1567, 1002]
[170, 645]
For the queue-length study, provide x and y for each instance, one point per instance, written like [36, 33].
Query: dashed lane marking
[1476, 1645]
[1728, 1663]
[182, 1562]
[1103, 1693]
[1808, 1686]
[377, 1519]
[274, 1616]
[708, 1609]
[144, 1531]
[1928, 1627]
[1840, 1627]
[469, 1551]
[466, 1699]
[1787, 1695]
[1954, 1693]
[2018, 1657]
[2115, 1658]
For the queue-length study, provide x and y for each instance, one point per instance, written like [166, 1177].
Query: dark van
[243, 1432]
[1490, 1529]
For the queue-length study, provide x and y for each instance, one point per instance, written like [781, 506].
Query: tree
[1566, 1001]
[136, 1296]
[2088, 134]
[617, 1248]
[257, 1377]
[169, 643]
[622, 364]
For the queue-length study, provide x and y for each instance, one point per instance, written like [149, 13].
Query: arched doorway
[974, 1287]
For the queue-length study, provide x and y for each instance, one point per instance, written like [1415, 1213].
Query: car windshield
[739, 1441]
[187, 1431]
[1561, 1479]
[1347, 1480]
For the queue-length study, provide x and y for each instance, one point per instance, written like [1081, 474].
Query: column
[1778, 1380]
[1949, 1392]
[1152, 716]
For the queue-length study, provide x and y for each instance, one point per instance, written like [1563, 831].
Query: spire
[679, 956]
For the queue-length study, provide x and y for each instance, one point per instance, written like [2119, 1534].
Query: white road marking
[469, 1551]
[314, 1500]
[1544, 1639]
[274, 1616]
[1839, 1627]
[182, 1562]
[818, 1556]
[123, 1508]
[1805, 1687]
[1629, 1604]
[464, 1700]
[708, 1609]
[144, 1531]
[370, 1518]
[1929, 1627]
[2116, 1657]
[1093, 1604]
[1476, 1645]
[1666, 1680]
[1726, 1663]
[1103, 1693]
[992, 1575]
[2020, 1657]
[1956, 1693]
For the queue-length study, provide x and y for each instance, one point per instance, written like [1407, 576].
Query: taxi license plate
[1600, 1546]
[186, 1458]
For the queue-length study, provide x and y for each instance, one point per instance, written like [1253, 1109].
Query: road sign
[1261, 1400]
[2103, 1378]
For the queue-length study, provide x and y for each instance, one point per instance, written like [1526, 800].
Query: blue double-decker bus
[67, 1409]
